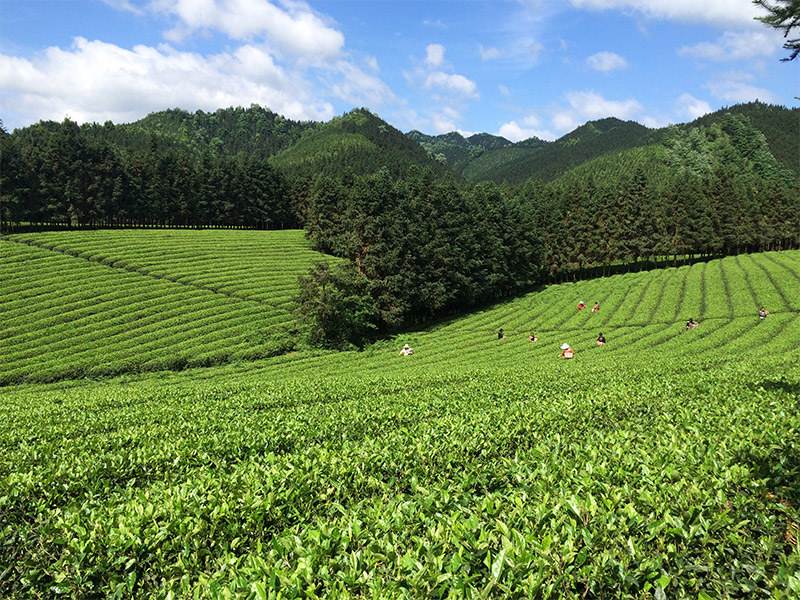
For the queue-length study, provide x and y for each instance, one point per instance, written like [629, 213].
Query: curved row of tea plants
[110, 302]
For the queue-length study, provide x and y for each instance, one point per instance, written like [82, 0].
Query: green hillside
[356, 143]
[98, 303]
[489, 158]
[662, 464]
[256, 131]
[516, 164]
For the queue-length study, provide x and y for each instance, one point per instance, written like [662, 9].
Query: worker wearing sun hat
[567, 351]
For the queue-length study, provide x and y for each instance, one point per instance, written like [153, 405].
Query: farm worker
[581, 305]
[406, 351]
[762, 313]
[690, 324]
[601, 340]
[596, 307]
[533, 337]
[567, 351]
[500, 334]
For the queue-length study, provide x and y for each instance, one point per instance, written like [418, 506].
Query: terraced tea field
[663, 464]
[109, 302]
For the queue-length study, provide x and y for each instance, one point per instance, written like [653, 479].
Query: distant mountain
[358, 142]
[457, 151]
[483, 157]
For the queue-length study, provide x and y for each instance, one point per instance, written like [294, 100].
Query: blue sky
[517, 68]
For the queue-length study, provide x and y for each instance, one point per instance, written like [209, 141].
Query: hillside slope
[357, 143]
[94, 303]
[113, 302]
[490, 158]
[664, 463]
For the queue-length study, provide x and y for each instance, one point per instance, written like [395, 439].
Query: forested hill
[256, 131]
[357, 143]
[500, 161]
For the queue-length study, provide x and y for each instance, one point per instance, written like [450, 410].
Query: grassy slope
[665, 459]
[109, 302]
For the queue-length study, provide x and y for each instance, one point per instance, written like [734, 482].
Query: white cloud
[565, 121]
[590, 105]
[504, 90]
[489, 53]
[606, 61]
[691, 108]
[434, 55]
[445, 119]
[527, 128]
[736, 86]
[358, 88]
[96, 81]
[453, 83]
[735, 46]
[292, 31]
[720, 13]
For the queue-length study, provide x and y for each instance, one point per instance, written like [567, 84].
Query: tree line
[56, 173]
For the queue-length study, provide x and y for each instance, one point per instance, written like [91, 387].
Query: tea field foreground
[664, 464]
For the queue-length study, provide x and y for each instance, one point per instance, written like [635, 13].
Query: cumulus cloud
[734, 46]
[292, 31]
[720, 13]
[452, 83]
[434, 55]
[586, 106]
[590, 105]
[691, 108]
[525, 129]
[736, 86]
[489, 53]
[285, 57]
[606, 61]
[353, 85]
[445, 119]
[96, 81]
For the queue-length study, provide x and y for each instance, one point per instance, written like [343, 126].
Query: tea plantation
[156, 442]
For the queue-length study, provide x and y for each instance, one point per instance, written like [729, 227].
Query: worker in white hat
[567, 351]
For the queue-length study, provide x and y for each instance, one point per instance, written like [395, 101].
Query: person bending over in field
[596, 307]
[601, 340]
[500, 334]
[406, 351]
[762, 313]
[532, 337]
[567, 352]
[690, 324]
[581, 305]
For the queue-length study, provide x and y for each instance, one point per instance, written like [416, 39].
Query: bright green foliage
[109, 302]
[661, 465]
